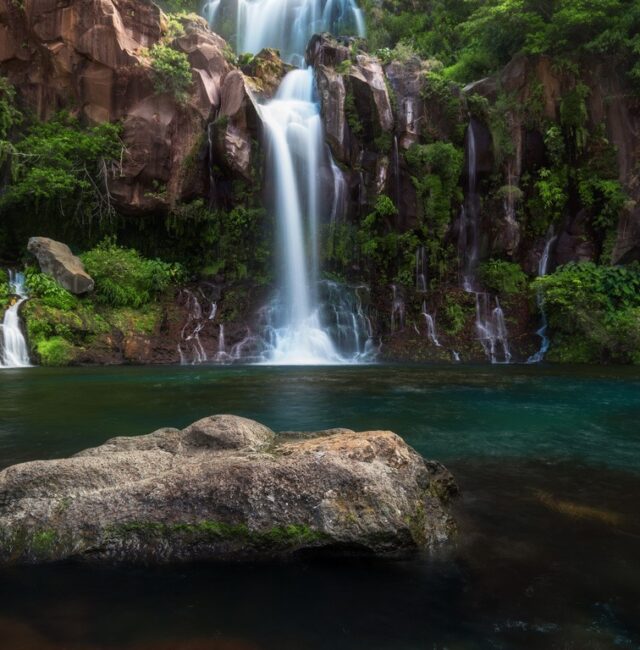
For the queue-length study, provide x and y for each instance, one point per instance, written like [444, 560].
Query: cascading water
[543, 266]
[308, 322]
[492, 329]
[294, 133]
[490, 322]
[397, 310]
[210, 10]
[287, 25]
[190, 347]
[421, 270]
[13, 347]
[431, 326]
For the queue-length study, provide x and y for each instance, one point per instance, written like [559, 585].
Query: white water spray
[13, 347]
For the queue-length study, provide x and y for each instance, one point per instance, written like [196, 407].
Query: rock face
[57, 260]
[225, 488]
[92, 57]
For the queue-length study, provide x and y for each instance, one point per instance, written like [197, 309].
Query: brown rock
[57, 260]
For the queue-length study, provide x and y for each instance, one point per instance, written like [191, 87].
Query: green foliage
[454, 318]
[475, 37]
[171, 71]
[387, 254]
[500, 276]
[10, 116]
[49, 291]
[179, 6]
[435, 172]
[55, 351]
[549, 202]
[444, 98]
[351, 113]
[5, 293]
[126, 279]
[236, 243]
[594, 310]
[62, 168]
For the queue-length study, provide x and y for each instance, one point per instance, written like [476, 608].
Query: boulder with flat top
[225, 488]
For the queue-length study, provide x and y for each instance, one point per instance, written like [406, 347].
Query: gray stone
[57, 260]
[225, 488]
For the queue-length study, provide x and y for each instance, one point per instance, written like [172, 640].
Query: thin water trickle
[431, 326]
[543, 267]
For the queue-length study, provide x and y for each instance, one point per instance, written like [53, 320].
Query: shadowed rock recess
[225, 488]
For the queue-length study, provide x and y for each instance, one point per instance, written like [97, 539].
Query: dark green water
[548, 554]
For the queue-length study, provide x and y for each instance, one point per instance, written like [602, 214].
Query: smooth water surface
[548, 554]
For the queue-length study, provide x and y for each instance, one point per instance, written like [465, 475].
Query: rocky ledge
[225, 488]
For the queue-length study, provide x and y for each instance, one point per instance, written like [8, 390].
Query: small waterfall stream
[431, 326]
[543, 267]
[13, 346]
[491, 327]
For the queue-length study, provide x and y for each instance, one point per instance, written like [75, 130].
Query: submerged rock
[57, 260]
[225, 488]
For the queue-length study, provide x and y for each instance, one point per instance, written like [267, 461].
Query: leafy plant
[126, 279]
[60, 167]
[171, 71]
[594, 311]
[500, 276]
[49, 291]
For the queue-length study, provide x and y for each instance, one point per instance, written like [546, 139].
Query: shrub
[593, 309]
[500, 276]
[61, 169]
[49, 291]
[55, 351]
[454, 318]
[171, 71]
[126, 279]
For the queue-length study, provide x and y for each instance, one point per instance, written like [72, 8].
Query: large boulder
[57, 260]
[225, 488]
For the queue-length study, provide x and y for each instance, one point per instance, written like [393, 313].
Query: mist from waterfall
[13, 346]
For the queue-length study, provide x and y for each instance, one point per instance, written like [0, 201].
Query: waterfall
[469, 233]
[13, 347]
[491, 327]
[543, 266]
[431, 326]
[210, 10]
[397, 310]
[421, 270]
[287, 25]
[294, 133]
[299, 326]
[190, 347]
